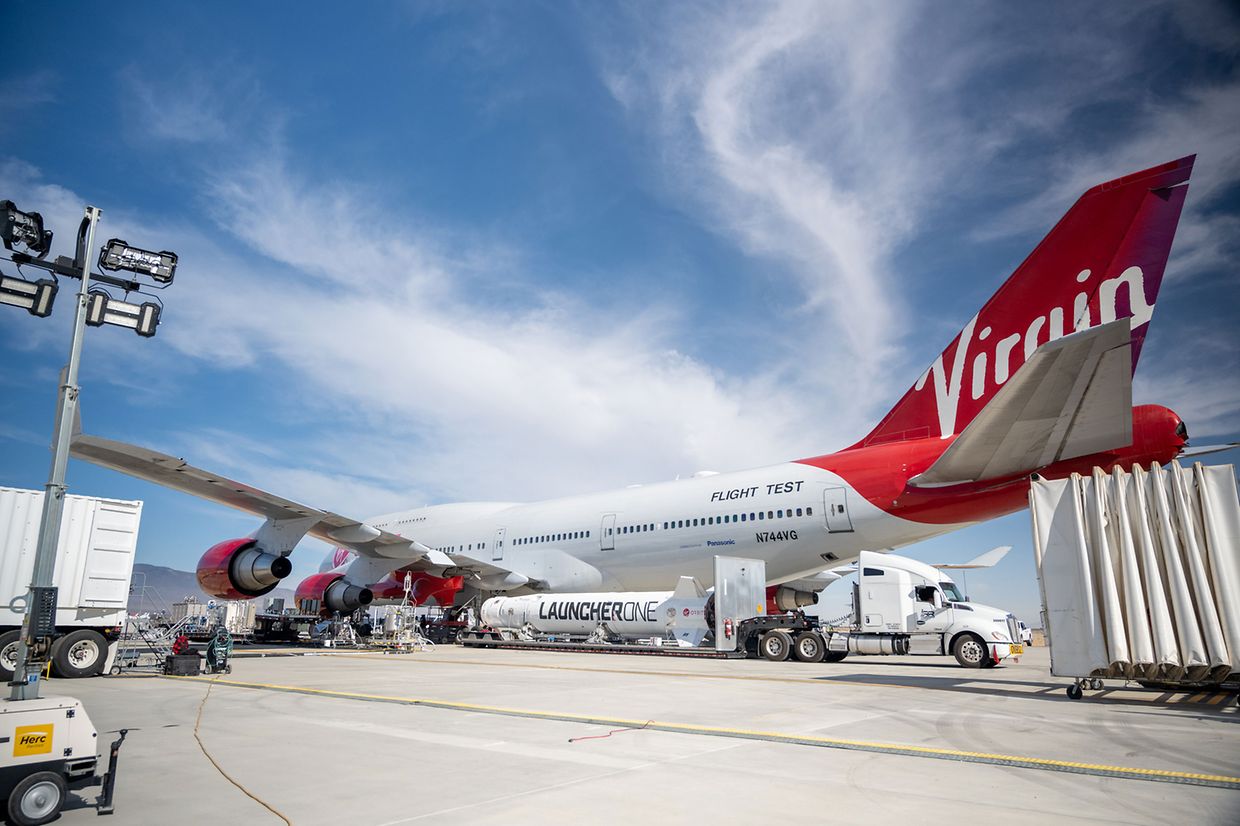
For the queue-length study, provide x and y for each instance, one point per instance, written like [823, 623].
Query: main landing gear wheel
[79, 654]
[970, 651]
[37, 799]
[775, 646]
[809, 647]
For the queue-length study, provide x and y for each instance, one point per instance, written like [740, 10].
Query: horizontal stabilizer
[1205, 450]
[1072, 397]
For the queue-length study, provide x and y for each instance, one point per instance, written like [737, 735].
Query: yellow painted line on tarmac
[761, 678]
[964, 684]
[1007, 760]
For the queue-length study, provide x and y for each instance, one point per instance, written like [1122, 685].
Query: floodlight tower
[94, 307]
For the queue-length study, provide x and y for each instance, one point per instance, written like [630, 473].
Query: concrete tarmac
[332, 739]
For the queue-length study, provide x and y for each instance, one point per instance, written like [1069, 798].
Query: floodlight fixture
[35, 297]
[118, 255]
[102, 308]
[25, 228]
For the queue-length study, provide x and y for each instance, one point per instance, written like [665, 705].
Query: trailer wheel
[8, 654]
[775, 646]
[1074, 691]
[969, 651]
[81, 653]
[809, 647]
[37, 799]
[835, 656]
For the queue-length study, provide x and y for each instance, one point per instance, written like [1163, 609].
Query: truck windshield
[951, 591]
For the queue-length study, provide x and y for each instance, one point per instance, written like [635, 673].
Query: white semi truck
[900, 606]
[94, 565]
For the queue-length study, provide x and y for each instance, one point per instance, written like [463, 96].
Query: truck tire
[8, 654]
[80, 653]
[809, 647]
[970, 651]
[835, 656]
[37, 798]
[775, 646]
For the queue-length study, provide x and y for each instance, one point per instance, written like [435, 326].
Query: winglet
[986, 560]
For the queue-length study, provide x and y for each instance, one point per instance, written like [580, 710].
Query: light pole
[94, 308]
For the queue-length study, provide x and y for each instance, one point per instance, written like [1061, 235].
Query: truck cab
[896, 595]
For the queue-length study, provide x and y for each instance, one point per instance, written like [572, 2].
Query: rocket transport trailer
[94, 564]
[900, 606]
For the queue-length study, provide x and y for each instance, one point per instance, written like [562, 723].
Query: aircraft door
[497, 550]
[835, 503]
[606, 533]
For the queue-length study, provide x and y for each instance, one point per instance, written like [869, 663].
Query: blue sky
[434, 252]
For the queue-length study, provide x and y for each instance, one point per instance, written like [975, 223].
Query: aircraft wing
[178, 474]
[1072, 397]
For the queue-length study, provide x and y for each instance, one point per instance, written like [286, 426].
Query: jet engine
[240, 569]
[781, 598]
[334, 593]
[424, 586]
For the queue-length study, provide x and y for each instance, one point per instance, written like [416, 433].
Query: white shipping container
[94, 561]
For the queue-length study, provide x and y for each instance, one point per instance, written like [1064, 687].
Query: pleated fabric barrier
[1140, 572]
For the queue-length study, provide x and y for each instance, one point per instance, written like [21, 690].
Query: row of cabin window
[781, 513]
[552, 537]
[451, 549]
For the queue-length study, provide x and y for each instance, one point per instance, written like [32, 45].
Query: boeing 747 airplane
[1038, 381]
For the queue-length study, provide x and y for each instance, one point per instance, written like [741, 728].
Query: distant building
[189, 607]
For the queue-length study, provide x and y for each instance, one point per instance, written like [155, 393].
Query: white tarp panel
[1216, 490]
[1166, 649]
[1140, 573]
[1072, 620]
[1136, 609]
[1199, 580]
[1187, 629]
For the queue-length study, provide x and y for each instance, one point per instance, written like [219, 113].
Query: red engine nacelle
[424, 587]
[239, 569]
[333, 593]
[781, 598]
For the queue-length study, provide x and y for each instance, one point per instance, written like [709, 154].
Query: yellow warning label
[32, 740]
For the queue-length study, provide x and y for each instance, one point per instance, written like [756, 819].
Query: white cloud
[1199, 380]
[198, 105]
[22, 93]
[412, 385]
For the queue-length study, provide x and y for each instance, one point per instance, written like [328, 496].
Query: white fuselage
[797, 518]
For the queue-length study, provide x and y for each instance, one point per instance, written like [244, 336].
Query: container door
[109, 560]
[606, 533]
[497, 550]
[835, 502]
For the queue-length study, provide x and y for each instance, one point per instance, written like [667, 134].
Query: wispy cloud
[22, 92]
[195, 105]
[827, 138]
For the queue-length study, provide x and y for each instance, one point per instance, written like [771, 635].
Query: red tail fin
[1104, 260]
